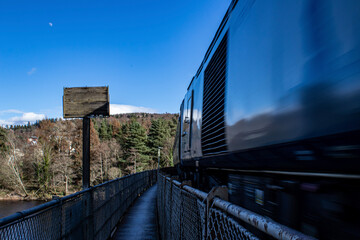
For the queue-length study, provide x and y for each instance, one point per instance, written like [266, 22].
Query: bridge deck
[140, 221]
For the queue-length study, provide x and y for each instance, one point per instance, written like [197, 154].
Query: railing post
[171, 203]
[86, 153]
[221, 192]
[91, 215]
[165, 205]
[61, 216]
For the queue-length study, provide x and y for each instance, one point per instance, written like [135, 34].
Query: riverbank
[11, 196]
[21, 198]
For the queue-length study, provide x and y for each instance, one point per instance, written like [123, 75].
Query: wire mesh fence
[90, 214]
[187, 213]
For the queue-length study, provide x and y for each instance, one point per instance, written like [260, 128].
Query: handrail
[261, 223]
[88, 214]
[22, 214]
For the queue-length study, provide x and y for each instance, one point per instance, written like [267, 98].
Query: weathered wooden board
[86, 101]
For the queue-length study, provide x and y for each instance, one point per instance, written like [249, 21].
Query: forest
[44, 159]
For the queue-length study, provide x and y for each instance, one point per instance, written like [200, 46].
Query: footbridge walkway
[145, 205]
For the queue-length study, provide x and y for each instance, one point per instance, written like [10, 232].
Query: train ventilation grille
[213, 123]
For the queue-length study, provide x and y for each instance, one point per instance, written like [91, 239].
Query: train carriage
[276, 102]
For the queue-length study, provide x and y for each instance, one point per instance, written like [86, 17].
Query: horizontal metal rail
[92, 213]
[261, 223]
[218, 217]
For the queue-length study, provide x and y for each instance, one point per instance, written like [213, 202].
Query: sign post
[86, 152]
[86, 102]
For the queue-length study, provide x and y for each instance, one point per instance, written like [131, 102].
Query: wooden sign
[82, 102]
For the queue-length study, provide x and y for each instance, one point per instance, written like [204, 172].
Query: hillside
[45, 158]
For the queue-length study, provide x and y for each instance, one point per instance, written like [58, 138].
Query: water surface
[8, 207]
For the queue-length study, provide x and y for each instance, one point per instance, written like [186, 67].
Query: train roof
[216, 37]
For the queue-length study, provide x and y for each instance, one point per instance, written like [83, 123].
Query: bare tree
[14, 156]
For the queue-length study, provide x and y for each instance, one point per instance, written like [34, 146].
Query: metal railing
[187, 213]
[89, 214]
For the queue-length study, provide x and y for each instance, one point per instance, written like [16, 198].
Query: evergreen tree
[110, 131]
[135, 147]
[136, 138]
[119, 135]
[158, 135]
[3, 141]
[96, 125]
[43, 168]
[103, 131]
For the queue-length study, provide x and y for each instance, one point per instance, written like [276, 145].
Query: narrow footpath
[140, 221]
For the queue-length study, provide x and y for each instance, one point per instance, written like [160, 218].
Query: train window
[190, 109]
[181, 115]
[188, 120]
[181, 119]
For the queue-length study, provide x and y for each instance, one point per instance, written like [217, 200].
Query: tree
[14, 163]
[136, 137]
[42, 167]
[105, 132]
[158, 135]
[115, 126]
[3, 142]
[135, 148]
[119, 145]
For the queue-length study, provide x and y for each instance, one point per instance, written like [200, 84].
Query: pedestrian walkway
[140, 221]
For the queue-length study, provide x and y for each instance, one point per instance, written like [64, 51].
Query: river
[8, 207]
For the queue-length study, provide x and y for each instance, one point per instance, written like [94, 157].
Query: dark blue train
[274, 112]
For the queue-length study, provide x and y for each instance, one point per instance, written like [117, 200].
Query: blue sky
[146, 51]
